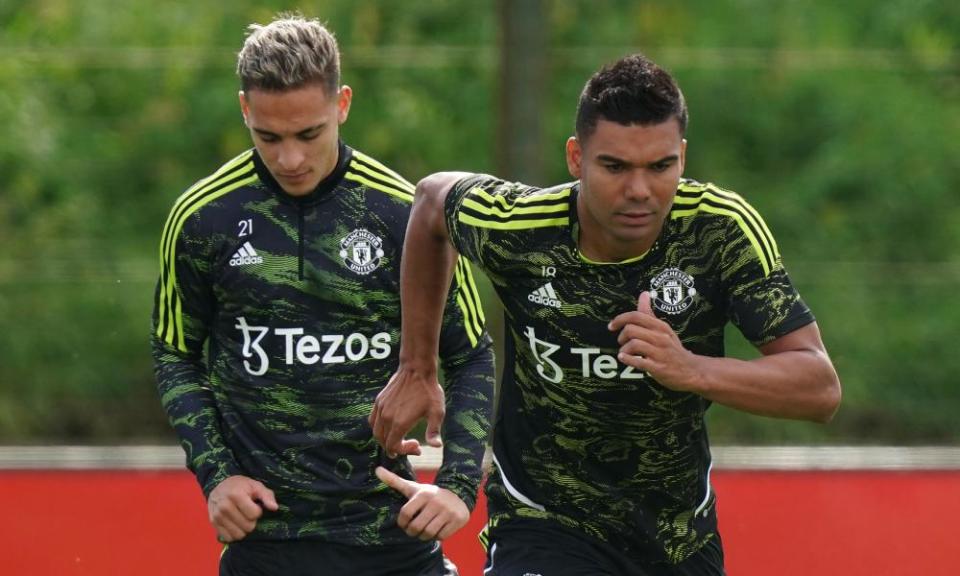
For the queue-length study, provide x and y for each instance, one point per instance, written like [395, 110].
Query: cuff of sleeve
[212, 474]
[464, 486]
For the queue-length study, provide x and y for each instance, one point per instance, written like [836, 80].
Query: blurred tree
[839, 121]
[522, 89]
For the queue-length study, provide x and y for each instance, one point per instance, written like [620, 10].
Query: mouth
[293, 177]
[635, 217]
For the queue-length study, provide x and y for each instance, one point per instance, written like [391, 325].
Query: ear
[344, 97]
[244, 107]
[683, 155]
[574, 157]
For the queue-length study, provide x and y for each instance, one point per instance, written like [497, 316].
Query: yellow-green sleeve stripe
[180, 207]
[481, 194]
[748, 218]
[384, 170]
[511, 224]
[765, 260]
[378, 186]
[401, 185]
[170, 324]
[471, 322]
[513, 210]
[753, 215]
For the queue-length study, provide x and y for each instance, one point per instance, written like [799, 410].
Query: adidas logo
[545, 296]
[246, 255]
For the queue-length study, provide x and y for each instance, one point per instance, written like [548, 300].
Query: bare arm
[428, 259]
[793, 379]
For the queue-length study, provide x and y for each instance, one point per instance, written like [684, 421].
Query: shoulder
[486, 185]
[237, 172]
[490, 202]
[369, 172]
[698, 199]
[702, 204]
[235, 175]
[708, 197]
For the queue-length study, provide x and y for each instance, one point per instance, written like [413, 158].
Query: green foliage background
[840, 121]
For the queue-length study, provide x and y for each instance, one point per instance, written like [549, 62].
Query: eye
[269, 138]
[661, 166]
[614, 167]
[310, 136]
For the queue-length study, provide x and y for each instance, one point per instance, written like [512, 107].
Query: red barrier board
[122, 523]
[840, 522]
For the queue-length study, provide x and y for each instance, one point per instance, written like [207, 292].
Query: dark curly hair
[632, 90]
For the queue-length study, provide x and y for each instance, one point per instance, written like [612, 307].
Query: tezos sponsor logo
[309, 349]
[594, 363]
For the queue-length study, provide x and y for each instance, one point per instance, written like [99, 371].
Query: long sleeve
[182, 312]
[467, 360]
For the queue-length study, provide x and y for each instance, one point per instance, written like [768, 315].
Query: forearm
[469, 392]
[793, 379]
[796, 384]
[425, 274]
[191, 409]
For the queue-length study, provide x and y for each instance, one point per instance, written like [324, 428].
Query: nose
[290, 157]
[637, 187]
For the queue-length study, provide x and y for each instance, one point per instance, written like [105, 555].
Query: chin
[635, 236]
[632, 234]
[300, 190]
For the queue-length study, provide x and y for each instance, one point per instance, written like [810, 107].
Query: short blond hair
[290, 52]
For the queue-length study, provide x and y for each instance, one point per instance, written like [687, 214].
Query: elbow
[433, 189]
[829, 397]
[828, 406]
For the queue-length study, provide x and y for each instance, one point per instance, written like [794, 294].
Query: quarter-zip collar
[323, 189]
[304, 203]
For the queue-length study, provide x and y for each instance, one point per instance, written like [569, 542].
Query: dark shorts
[530, 547]
[315, 558]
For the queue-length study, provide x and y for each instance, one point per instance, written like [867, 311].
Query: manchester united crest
[672, 291]
[361, 251]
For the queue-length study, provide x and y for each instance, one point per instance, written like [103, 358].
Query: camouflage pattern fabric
[277, 321]
[580, 438]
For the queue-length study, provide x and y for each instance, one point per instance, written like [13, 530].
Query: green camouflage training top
[580, 438]
[297, 302]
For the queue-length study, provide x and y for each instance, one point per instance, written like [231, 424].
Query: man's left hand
[431, 512]
[650, 344]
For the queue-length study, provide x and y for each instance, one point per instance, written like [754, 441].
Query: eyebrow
[664, 160]
[303, 132]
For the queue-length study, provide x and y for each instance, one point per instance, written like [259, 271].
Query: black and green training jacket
[277, 322]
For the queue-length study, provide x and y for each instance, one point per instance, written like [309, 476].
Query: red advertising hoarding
[833, 511]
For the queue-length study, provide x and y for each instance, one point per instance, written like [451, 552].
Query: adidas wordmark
[545, 296]
[246, 255]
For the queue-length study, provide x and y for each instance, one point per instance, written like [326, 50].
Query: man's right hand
[407, 397]
[236, 504]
